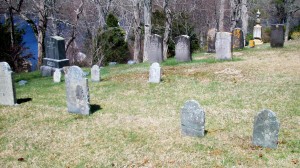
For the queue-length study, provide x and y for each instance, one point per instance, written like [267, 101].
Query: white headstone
[155, 73]
[224, 46]
[57, 76]
[7, 87]
[95, 73]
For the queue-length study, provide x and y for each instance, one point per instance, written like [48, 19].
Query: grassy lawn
[138, 124]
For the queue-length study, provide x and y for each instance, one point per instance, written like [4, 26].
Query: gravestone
[155, 73]
[257, 30]
[55, 55]
[182, 49]
[7, 87]
[77, 91]
[237, 38]
[192, 119]
[277, 35]
[95, 73]
[223, 46]
[57, 76]
[265, 129]
[155, 49]
[211, 40]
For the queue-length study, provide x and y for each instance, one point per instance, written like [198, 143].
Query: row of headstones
[265, 126]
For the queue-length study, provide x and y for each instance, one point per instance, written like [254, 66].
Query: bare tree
[167, 12]
[137, 31]
[147, 26]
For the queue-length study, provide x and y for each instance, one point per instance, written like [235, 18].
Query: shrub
[295, 33]
[266, 35]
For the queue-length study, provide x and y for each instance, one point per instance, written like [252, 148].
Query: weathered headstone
[57, 76]
[95, 73]
[155, 49]
[182, 49]
[265, 129]
[277, 35]
[211, 40]
[192, 119]
[223, 46]
[238, 38]
[155, 73]
[257, 30]
[77, 91]
[7, 87]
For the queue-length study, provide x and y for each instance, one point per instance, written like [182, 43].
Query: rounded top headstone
[5, 66]
[155, 64]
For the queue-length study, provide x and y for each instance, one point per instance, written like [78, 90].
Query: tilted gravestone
[155, 73]
[95, 73]
[155, 49]
[237, 38]
[192, 119]
[77, 91]
[223, 46]
[182, 49]
[211, 40]
[7, 87]
[265, 129]
[277, 35]
[57, 76]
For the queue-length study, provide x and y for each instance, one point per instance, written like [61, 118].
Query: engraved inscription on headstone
[155, 49]
[7, 88]
[182, 49]
[95, 73]
[223, 46]
[155, 73]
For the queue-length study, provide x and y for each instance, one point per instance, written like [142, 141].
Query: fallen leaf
[21, 159]
[260, 155]
[295, 161]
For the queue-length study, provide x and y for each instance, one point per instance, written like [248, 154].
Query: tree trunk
[42, 26]
[244, 17]
[167, 29]
[221, 15]
[137, 32]
[147, 20]
[287, 27]
[12, 27]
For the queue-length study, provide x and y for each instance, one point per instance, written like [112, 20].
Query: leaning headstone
[155, 49]
[7, 87]
[77, 91]
[155, 73]
[266, 129]
[277, 35]
[211, 40]
[223, 46]
[57, 76]
[192, 119]
[237, 38]
[182, 49]
[95, 73]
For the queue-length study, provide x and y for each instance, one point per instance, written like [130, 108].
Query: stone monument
[77, 91]
[57, 76]
[257, 30]
[277, 35]
[95, 73]
[192, 119]
[55, 55]
[182, 49]
[237, 39]
[223, 46]
[211, 40]
[7, 87]
[265, 129]
[155, 73]
[155, 49]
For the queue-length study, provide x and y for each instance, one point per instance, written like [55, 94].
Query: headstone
[257, 30]
[95, 73]
[211, 40]
[192, 119]
[223, 46]
[7, 87]
[57, 76]
[155, 49]
[238, 38]
[155, 73]
[182, 49]
[265, 129]
[277, 35]
[77, 91]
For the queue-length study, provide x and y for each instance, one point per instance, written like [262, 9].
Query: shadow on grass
[95, 108]
[23, 100]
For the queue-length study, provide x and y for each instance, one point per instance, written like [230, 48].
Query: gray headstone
[223, 46]
[57, 76]
[277, 35]
[192, 119]
[237, 38]
[182, 49]
[211, 40]
[95, 73]
[155, 73]
[155, 49]
[265, 129]
[77, 91]
[257, 32]
[7, 87]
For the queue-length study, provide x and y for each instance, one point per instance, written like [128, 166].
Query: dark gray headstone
[77, 91]
[155, 49]
[95, 73]
[192, 119]
[7, 87]
[155, 73]
[266, 129]
[211, 40]
[237, 38]
[182, 49]
[223, 46]
[277, 35]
